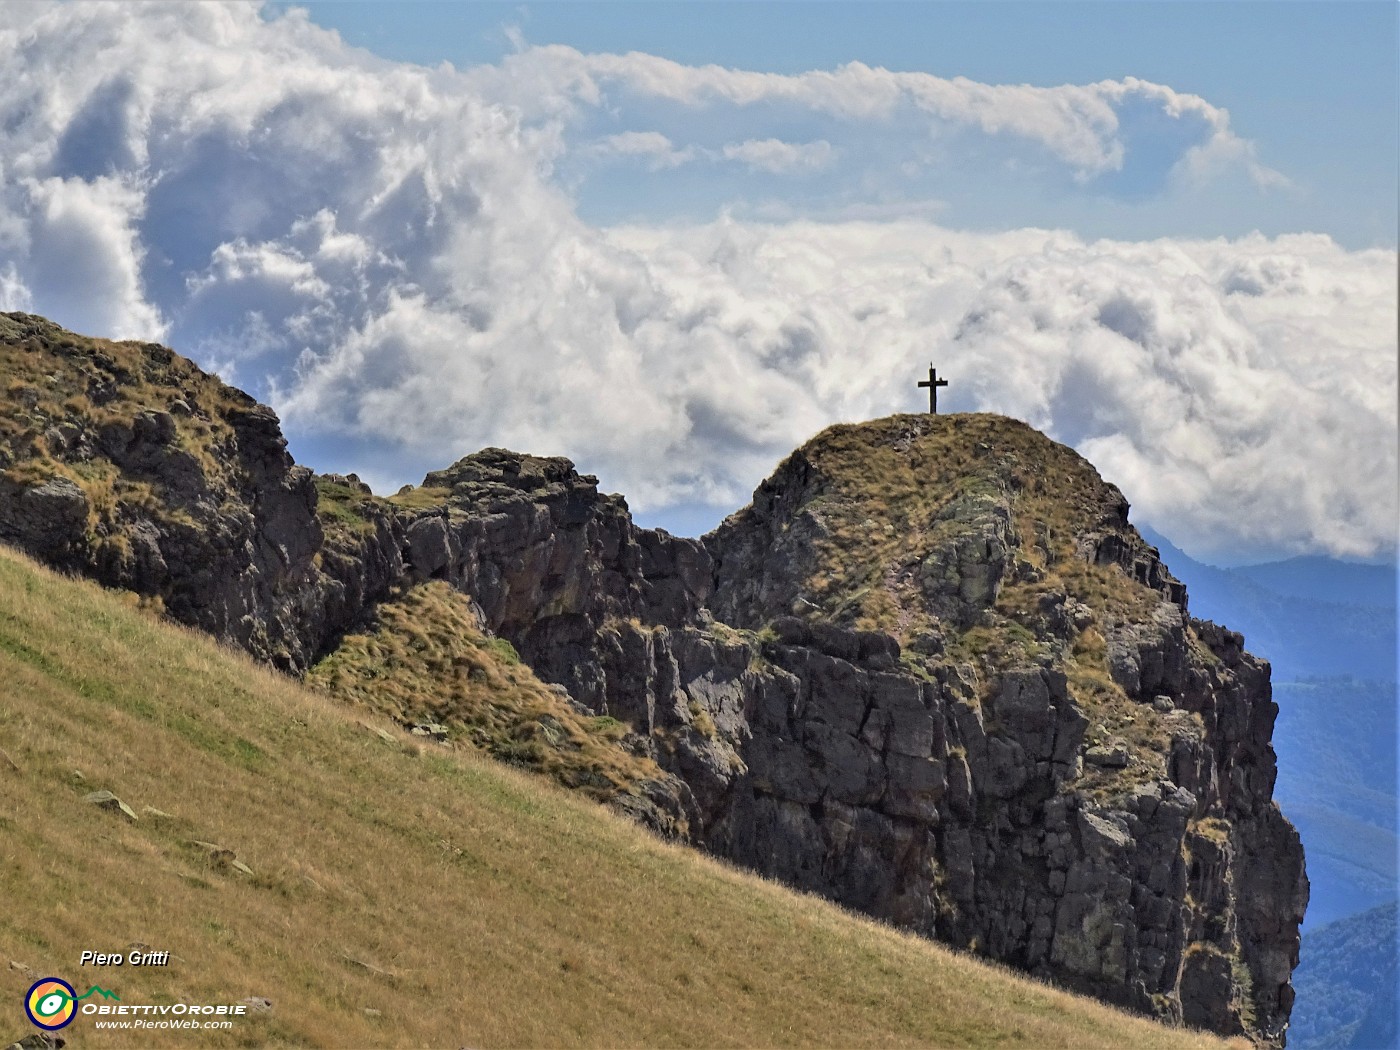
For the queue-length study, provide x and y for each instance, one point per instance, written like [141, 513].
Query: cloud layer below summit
[396, 258]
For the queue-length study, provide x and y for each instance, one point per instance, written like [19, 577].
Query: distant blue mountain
[1349, 972]
[1290, 613]
[1325, 580]
[1329, 629]
[1335, 740]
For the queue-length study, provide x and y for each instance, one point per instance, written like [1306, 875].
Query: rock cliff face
[1055, 764]
[126, 463]
[930, 672]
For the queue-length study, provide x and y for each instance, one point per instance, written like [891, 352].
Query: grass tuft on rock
[426, 659]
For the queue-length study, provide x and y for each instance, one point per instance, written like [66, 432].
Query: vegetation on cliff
[963, 537]
[74, 400]
[424, 659]
[1064, 674]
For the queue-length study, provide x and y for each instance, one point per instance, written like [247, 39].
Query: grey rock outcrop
[129, 465]
[39, 1041]
[108, 801]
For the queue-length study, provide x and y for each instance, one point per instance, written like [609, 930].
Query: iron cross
[933, 383]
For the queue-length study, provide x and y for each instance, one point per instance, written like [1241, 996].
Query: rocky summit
[930, 672]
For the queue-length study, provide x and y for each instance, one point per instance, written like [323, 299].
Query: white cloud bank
[382, 250]
[777, 156]
[771, 155]
[1078, 124]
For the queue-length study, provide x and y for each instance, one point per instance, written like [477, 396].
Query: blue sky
[672, 242]
[1313, 84]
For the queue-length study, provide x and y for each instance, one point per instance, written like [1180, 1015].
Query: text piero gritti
[132, 958]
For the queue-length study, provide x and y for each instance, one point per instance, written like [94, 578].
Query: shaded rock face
[130, 465]
[911, 800]
[931, 672]
[550, 560]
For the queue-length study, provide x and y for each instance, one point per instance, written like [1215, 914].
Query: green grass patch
[424, 497]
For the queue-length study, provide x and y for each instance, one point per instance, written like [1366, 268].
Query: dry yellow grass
[467, 903]
[424, 659]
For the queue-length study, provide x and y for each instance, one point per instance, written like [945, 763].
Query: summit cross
[933, 383]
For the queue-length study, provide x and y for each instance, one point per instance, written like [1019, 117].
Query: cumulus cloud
[653, 146]
[385, 252]
[1222, 153]
[776, 156]
[1215, 382]
[13, 293]
[85, 253]
[1081, 125]
[773, 156]
[1242, 393]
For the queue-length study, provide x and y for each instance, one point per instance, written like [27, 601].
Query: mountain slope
[402, 893]
[931, 672]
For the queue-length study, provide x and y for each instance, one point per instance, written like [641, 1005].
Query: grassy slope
[424, 659]
[494, 908]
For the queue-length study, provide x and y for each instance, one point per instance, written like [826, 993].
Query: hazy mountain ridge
[930, 672]
[1308, 616]
[1326, 580]
[1349, 972]
[1337, 752]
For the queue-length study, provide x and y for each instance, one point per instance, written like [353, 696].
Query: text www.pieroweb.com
[179, 1023]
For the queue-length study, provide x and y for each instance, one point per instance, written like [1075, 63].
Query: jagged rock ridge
[930, 672]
